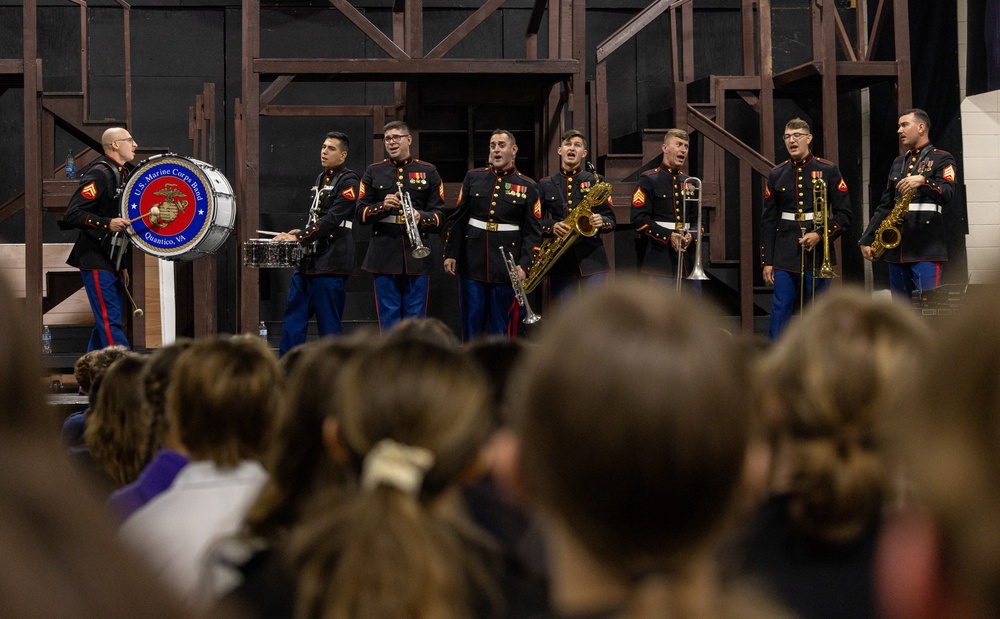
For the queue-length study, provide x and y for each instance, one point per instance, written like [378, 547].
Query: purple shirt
[154, 479]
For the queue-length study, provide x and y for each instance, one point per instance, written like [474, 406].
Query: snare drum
[183, 208]
[268, 254]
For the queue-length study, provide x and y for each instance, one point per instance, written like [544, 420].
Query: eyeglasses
[389, 139]
[126, 140]
[793, 137]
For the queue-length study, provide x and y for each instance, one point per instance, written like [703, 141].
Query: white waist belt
[670, 225]
[925, 206]
[347, 223]
[490, 226]
[797, 216]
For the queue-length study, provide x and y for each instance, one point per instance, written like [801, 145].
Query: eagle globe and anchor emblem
[180, 208]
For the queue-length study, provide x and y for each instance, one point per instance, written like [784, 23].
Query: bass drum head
[186, 207]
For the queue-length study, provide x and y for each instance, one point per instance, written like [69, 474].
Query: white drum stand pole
[168, 304]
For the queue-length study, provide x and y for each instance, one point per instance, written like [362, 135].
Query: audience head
[222, 399]
[297, 460]
[60, 557]
[498, 356]
[155, 381]
[117, 433]
[429, 329]
[409, 420]
[941, 558]
[633, 425]
[99, 361]
[825, 389]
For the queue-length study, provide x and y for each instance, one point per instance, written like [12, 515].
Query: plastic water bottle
[70, 165]
[46, 341]
[262, 331]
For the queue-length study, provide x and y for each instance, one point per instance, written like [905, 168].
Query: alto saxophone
[888, 235]
[579, 222]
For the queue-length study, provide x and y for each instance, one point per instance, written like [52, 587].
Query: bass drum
[180, 208]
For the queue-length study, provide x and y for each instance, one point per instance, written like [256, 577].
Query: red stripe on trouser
[515, 309]
[104, 309]
[937, 274]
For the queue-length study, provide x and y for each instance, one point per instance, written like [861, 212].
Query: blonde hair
[677, 133]
[828, 382]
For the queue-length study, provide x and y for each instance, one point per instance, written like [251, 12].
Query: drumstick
[268, 233]
[155, 211]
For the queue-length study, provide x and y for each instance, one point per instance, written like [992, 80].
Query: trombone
[821, 224]
[692, 193]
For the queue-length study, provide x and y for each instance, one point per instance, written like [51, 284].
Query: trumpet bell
[531, 319]
[420, 252]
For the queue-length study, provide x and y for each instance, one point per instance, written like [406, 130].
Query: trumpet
[412, 231]
[515, 281]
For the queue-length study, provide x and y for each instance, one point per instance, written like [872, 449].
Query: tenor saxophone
[888, 235]
[579, 222]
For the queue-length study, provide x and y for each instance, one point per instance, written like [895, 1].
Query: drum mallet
[155, 212]
[137, 312]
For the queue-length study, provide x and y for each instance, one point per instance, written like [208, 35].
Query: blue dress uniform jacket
[657, 208]
[788, 211]
[328, 237]
[389, 248]
[494, 210]
[559, 194]
[922, 233]
[91, 208]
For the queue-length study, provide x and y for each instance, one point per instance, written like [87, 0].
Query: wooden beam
[766, 90]
[537, 11]
[320, 110]
[464, 29]
[391, 69]
[842, 38]
[728, 141]
[788, 76]
[747, 263]
[32, 176]
[901, 27]
[871, 68]
[248, 166]
[274, 88]
[749, 32]
[738, 82]
[413, 14]
[578, 85]
[127, 17]
[828, 89]
[633, 26]
[363, 23]
[876, 29]
[11, 66]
